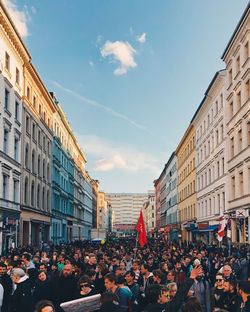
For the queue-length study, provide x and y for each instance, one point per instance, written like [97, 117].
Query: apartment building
[211, 162]
[237, 101]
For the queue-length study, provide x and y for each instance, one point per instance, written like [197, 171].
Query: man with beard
[230, 296]
[244, 292]
[64, 287]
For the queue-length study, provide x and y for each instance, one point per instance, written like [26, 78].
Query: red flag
[142, 238]
[221, 228]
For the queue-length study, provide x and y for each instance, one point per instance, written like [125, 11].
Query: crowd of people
[159, 277]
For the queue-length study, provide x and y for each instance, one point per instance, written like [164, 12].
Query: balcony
[6, 204]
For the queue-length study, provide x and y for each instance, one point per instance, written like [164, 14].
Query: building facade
[126, 208]
[171, 226]
[237, 100]
[211, 161]
[149, 213]
[186, 187]
[13, 55]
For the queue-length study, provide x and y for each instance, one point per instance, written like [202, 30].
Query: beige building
[186, 188]
[211, 163]
[149, 212]
[237, 95]
[126, 208]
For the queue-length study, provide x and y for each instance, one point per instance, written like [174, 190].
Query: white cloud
[142, 38]
[102, 107]
[110, 156]
[19, 18]
[120, 52]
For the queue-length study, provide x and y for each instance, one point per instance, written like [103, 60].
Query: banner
[142, 238]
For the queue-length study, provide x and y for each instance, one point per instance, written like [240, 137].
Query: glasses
[84, 285]
[219, 280]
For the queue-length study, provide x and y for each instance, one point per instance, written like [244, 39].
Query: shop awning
[210, 228]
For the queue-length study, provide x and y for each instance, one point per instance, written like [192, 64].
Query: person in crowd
[123, 297]
[230, 296]
[186, 265]
[7, 285]
[170, 277]
[45, 306]
[136, 269]
[64, 287]
[134, 288]
[217, 293]
[244, 292]
[21, 299]
[26, 260]
[158, 277]
[192, 305]
[91, 265]
[180, 275]
[227, 273]
[172, 288]
[42, 288]
[110, 302]
[85, 287]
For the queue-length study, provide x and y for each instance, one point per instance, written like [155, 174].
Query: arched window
[26, 156]
[38, 196]
[26, 191]
[48, 201]
[43, 199]
[39, 165]
[32, 194]
[33, 161]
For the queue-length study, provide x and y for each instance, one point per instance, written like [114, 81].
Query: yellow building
[185, 153]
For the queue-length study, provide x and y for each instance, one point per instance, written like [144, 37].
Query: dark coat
[7, 284]
[42, 291]
[21, 300]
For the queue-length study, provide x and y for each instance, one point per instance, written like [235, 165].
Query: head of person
[219, 280]
[229, 286]
[192, 305]
[119, 271]
[170, 276]
[130, 277]
[3, 268]
[164, 296]
[172, 287]
[164, 267]
[36, 259]
[67, 270]
[43, 267]
[92, 274]
[244, 290]
[144, 268]
[120, 280]
[26, 258]
[85, 284]
[177, 265]
[153, 293]
[227, 271]
[108, 298]
[115, 261]
[45, 306]
[136, 265]
[122, 266]
[187, 260]
[150, 261]
[17, 274]
[128, 257]
[42, 276]
[110, 281]
[92, 259]
[158, 276]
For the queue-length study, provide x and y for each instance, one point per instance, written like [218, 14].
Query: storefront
[9, 227]
[206, 231]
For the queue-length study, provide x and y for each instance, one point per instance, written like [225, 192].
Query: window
[27, 124]
[230, 77]
[26, 191]
[216, 107]
[240, 139]
[48, 173]
[237, 65]
[15, 190]
[5, 186]
[247, 88]
[5, 141]
[43, 199]
[38, 196]
[248, 133]
[222, 131]
[7, 61]
[34, 101]
[223, 165]
[217, 137]
[246, 50]
[233, 187]
[39, 137]
[26, 158]
[48, 201]
[231, 109]
[17, 110]
[6, 99]
[232, 146]
[17, 76]
[28, 93]
[44, 169]
[34, 131]
[16, 148]
[33, 161]
[48, 147]
[241, 184]
[221, 100]
[39, 165]
[32, 194]
[218, 169]
[238, 100]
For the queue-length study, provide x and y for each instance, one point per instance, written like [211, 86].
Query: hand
[196, 271]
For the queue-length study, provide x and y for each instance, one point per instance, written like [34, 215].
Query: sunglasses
[84, 285]
[219, 280]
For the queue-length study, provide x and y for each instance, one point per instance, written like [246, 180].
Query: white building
[126, 208]
[149, 212]
[13, 54]
[237, 95]
[211, 168]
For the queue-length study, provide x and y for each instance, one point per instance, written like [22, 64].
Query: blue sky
[128, 73]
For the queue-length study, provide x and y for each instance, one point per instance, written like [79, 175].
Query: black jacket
[42, 291]
[6, 282]
[21, 300]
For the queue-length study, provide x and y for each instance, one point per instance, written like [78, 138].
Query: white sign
[242, 213]
[88, 304]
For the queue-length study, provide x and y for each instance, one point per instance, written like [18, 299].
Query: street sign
[242, 213]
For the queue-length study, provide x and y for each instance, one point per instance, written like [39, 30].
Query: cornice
[11, 32]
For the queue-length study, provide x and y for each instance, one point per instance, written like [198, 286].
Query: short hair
[244, 286]
[85, 279]
[137, 261]
[171, 285]
[108, 296]
[18, 272]
[146, 266]
[110, 276]
[120, 279]
[27, 256]
[91, 273]
[131, 273]
[153, 292]
[42, 304]
[231, 282]
[158, 273]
